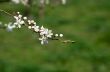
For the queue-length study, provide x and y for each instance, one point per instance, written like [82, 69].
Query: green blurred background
[85, 21]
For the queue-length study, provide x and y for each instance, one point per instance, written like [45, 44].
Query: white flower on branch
[19, 20]
[61, 35]
[43, 30]
[44, 33]
[10, 27]
[56, 35]
[43, 40]
[29, 27]
[25, 18]
[36, 28]
[49, 34]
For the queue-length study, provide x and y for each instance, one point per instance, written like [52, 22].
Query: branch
[6, 12]
[44, 33]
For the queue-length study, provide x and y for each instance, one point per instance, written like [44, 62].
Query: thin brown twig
[6, 12]
[64, 41]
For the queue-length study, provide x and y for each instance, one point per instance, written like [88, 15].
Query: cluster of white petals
[19, 20]
[44, 33]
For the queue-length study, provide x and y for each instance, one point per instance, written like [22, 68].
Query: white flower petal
[56, 35]
[61, 35]
[29, 27]
[25, 18]
[22, 22]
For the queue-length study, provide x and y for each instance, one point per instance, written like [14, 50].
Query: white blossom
[56, 35]
[16, 17]
[43, 40]
[42, 29]
[32, 21]
[25, 18]
[29, 21]
[19, 16]
[22, 22]
[18, 12]
[29, 27]
[19, 20]
[36, 28]
[61, 35]
[10, 27]
[49, 33]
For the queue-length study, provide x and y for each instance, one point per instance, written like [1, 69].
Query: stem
[64, 41]
[5, 12]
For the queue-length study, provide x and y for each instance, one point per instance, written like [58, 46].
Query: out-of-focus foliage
[85, 21]
[4, 0]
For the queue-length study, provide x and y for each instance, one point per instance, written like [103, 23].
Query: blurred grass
[85, 21]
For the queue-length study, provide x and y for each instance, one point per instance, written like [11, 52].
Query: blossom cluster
[44, 33]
